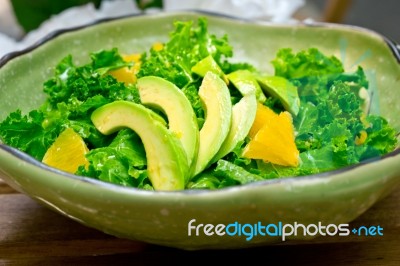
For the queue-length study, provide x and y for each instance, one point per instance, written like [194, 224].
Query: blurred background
[382, 16]
[22, 22]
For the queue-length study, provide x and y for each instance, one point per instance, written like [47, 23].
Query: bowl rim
[393, 46]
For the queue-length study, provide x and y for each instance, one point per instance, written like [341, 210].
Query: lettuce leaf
[123, 162]
[188, 44]
[73, 93]
[25, 132]
[381, 137]
[75, 85]
[306, 63]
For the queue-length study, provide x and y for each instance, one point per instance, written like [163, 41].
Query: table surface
[31, 234]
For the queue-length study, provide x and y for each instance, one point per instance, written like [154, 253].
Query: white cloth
[266, 10]
[69, 18]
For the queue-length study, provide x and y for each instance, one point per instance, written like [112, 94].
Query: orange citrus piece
[158, 46]
[361, 138]
[272, 138]
[67, 152]
[263, 116]
[127, 74]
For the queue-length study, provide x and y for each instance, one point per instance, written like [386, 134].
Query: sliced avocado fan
[166, 159]
[243, 112]
[246, 82]
[243, 115]
[209, 64]
[215, 97]
[165, 96]
[282, 89]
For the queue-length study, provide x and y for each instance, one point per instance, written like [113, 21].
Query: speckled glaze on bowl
[162, 217]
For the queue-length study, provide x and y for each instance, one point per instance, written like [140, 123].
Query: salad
[183, 115]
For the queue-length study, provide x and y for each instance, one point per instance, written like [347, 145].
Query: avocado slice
[282, 89]
[246, 82]
[215, 97]
[208, 64]
[165, 96]
[243, 115]
[166, 159]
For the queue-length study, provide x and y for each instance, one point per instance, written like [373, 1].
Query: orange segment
[67, 152]
[273, 139]
[126, 74]
[263, 116]
[361, 138]
[158, 46]
[132, 58]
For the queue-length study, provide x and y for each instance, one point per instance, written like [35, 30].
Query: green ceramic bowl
[162, 217]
